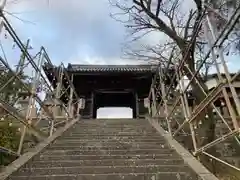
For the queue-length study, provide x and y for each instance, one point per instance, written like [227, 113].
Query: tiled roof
[215, 75]
[111, 68]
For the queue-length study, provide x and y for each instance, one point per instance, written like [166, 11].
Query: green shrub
[9, 138]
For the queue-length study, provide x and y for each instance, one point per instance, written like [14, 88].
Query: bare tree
[166, 17]
[225, 8]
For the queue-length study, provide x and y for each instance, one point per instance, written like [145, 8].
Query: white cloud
[72, 31]
[101, 61]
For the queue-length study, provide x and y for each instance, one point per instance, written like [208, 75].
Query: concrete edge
[188, 158]
[15, 165]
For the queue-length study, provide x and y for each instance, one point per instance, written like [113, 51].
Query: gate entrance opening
[114, 113]
[114, 99]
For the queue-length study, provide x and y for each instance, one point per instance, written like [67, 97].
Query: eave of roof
[111, 68]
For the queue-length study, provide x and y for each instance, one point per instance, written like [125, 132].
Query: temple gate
[112, 86]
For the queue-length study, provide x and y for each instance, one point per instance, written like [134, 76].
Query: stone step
[109, 152]
[118, 137]
[111, 132]
[102, 169]
[112, 140]
[104, 162]
[114, 129]
[106, 123]
[48, 157]
[111, 126]
[109, 123]
[124, 122]
[109, 142]
[122, 176]
[120, 146]
[137, 123]
[113, 122]
[97, 124]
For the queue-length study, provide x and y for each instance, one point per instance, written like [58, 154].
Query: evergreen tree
[9, 135]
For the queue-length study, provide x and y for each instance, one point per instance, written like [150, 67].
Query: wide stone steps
[127, 176]
[111, 143]
[114, 138]
[103, 162]
[52, 157]
[107, 150]
[104, 147]
[102, 169]
[113, 131]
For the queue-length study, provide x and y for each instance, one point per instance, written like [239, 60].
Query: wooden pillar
[154, 103]
[70, 101]
[92, 104]
[81, 105]
[137, 105]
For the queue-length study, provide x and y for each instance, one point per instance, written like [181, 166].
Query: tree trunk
[206, 132]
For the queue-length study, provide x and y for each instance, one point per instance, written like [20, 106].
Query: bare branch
[161, 25]
[158, 7]
[198, 4]
[187, 26]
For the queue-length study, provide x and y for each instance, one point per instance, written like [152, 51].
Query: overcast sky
[72, 31]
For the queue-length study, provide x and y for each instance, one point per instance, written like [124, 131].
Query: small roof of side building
[215, 75]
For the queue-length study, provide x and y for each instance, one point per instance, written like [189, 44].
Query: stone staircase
[107, 150]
